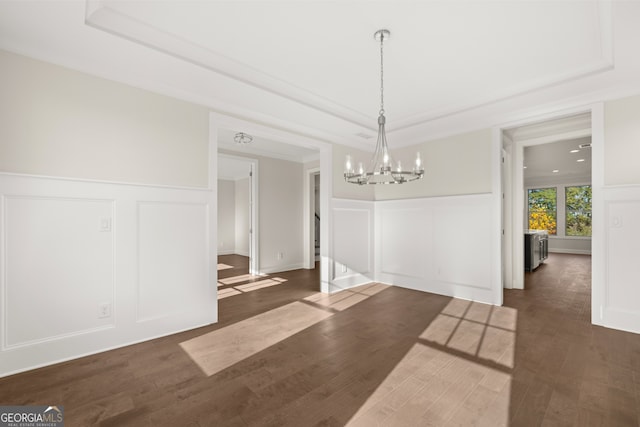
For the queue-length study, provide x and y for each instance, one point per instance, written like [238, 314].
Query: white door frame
[254, 234]
[516, 177]
[309, 215]
[507, 218]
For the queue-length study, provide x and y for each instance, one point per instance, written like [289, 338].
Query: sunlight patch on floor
[225, 347]
[252, 286]
[457, 373]
[248, 287]
[347, 298]
[223, 293]
[236, 279]
[224, 267]
[479, 330]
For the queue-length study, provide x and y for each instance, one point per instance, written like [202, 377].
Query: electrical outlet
[280, 255]
[344, 268]
[105, 224]
[104, 310]
[616, 222]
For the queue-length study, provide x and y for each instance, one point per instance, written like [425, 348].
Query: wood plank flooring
[375, 355]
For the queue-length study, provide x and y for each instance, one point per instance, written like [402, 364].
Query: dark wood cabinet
[536, 248]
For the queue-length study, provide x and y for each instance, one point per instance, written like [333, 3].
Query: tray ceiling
[313, 67]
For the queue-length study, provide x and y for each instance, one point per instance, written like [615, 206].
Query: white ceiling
[312, 67]
[541, 160]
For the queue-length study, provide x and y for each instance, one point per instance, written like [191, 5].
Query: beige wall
[455, 165]
[59, 122]
[622, 141]
[226, 216]
[242, 216]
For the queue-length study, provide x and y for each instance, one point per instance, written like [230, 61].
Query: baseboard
[233, 252]
[103, 350]
[570, 251]
[271, 270]
[346, 282]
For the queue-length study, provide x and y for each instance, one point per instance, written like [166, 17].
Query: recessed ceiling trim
[101, 15]
[541, 84]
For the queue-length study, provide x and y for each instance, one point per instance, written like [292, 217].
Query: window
[542, 209]
[578, 212]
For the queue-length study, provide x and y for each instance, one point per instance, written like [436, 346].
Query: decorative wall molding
[40, 234]
[172, 257]
[95, 266]
[352, 243]
[620, 308]
[110, 182]
[441, 245]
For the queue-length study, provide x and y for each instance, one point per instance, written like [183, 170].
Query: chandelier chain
[381, 73]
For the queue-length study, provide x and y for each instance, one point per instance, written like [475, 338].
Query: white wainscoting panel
[353, 250]
[401, 231]
[441, 245]
[621, 300]
[89, 266]
[59, 254]
[462, 242]
[172, 260]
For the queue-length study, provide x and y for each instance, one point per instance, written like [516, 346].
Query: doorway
[550, 158]
[237, 209]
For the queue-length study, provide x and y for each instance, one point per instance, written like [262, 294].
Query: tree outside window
[543, 209]
[578, 212]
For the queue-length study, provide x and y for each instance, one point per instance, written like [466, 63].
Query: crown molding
[102, 15]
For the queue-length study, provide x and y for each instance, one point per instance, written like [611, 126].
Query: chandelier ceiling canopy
[242, 138]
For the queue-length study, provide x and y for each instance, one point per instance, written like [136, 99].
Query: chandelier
[242, 138]
[382, 169]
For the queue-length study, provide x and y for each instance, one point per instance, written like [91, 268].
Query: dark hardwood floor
[372, 355]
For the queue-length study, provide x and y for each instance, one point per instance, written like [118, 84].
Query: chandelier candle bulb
[348, 165]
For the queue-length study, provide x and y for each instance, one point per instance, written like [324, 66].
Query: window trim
[565, 186]
[560, 207]
[545, 187]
